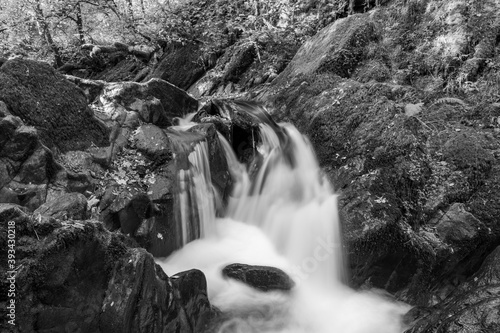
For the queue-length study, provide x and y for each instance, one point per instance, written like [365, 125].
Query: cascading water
[284, 215]
[196, 193]
[195, 199]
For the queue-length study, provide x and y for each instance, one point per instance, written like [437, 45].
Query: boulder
[153, 142]
[156, 101]
[473, 307]
[126, 209]
[26, 165]
[78, 276]
[235, 121]
[192, 296]
[71, 206]
[140, 296]
[336, 49]
[458, 226]
[159, 234]
[229, 70]
[180, 65]
[54, 106]
[29, 173]
[398, 174]
[264, 278]
[120, 67]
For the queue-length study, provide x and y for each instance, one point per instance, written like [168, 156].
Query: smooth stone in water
[264, 278]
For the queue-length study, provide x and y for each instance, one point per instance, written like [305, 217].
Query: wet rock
[140, 297]
[234, 120]
[191, 292]
[264, 278]
[125, 210]
[473, 307]
[29, 174]
[397, 179]
[26, 165]
[183, 144]
[68, 206]
[398, 176]
[336, 49]
[76, 275]
[230, 67]
[153, 142]
[53, 105]
[135, 211]
[159, 234]
[157, 101]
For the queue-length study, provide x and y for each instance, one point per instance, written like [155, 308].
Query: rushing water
[284, 216]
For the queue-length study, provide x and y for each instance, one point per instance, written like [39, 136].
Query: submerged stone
[264, 278]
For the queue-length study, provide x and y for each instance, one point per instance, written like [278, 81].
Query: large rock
[399, 173]
[184, 143]
[71, 206]
[473, 307]
[458, 226]
[29, 173]
[160, 234]
[26, 165]
[192, 295]
[153, 142]
[125, 209]
[44, 99]
[78, 276]
[264, 278]
[180, 65]
[236, 121]
[156, 101]
[229, 70]
[336, 49]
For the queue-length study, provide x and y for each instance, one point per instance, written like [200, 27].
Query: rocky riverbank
[401, 105]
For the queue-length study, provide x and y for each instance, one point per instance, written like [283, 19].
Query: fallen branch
[91, 88]
[66, 68]
[142, 52]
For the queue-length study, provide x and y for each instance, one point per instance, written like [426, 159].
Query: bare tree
[44, 31]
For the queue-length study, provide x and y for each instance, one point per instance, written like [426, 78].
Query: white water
[285, 217]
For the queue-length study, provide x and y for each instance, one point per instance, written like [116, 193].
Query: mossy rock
[57, 108]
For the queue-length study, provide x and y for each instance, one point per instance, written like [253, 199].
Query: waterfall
[283, 215]
[196, 195]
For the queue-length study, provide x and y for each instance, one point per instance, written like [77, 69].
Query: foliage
[42, 29]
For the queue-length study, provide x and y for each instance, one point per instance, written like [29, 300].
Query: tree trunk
[79, 23]
[256, 8]
[143, 9]
[44, 32]
[130, 10]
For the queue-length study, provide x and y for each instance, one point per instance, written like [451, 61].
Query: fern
[450, 100]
